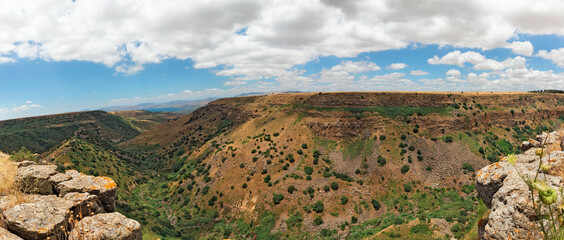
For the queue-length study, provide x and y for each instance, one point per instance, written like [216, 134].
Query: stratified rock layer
[503, 189]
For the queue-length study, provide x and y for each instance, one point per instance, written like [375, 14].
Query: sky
[63, 55]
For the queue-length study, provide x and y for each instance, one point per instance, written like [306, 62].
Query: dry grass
[8, 189]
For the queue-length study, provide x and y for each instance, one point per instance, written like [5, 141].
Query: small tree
[334, 186]
[318, 207]
[277, 198]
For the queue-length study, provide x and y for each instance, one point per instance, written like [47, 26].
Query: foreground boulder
[103, 187]
[109, 226]
[36, 178]
[502, 188]
[47, 216]
[59, 203]
[7, 235]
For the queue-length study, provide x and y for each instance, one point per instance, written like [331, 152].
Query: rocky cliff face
[503, 189]
[54, 205]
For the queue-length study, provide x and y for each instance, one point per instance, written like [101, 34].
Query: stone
[103, 187]
[36, 178]
[7, 235]
[108, 226]
[49, 216]
[503, 189]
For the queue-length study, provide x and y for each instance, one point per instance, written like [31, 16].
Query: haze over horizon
[61, 56]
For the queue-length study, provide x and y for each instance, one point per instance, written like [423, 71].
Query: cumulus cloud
[478, 61]
[521, 48]
[346, 70]
[555, 55]
[418, 73]
[25, 107]
[263, 39]
[396, 66]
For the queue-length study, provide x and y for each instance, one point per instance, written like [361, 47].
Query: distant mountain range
[180, 106]
[184, 106]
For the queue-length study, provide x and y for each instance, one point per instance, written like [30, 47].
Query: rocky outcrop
[108, 226]
[503, 189]
[55, 203]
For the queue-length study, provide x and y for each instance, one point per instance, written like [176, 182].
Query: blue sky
[60, 56]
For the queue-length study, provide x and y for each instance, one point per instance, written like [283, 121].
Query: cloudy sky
[63, 55]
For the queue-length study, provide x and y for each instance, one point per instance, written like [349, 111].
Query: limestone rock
[109, 226]
[36, 178]
[103, 187]
[7, 235]
[503, 189]
[46, 216]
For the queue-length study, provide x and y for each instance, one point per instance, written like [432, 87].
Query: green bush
[308, 170]
[448, 139]
[326, 188]
[382, 137]
[375, 204]
[420, 228]
[294, 221]
[334, 186]
[344, 200]
[381, 161]
[212, 200]
[407, 187]
[468, 167]
[304, 146]
[277, 198]
[318, 220]
[292, 189]
[244, 185]
[404, 169]
[318, 207]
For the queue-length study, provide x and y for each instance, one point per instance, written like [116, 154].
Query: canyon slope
[350, 165]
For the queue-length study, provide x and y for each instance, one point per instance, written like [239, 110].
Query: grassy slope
[39, 134]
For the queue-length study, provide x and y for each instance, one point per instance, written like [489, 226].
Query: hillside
[39, 134]
[326, 165]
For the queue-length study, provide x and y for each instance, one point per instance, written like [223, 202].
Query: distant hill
[145, 120]
[181, 106]
[41, 133]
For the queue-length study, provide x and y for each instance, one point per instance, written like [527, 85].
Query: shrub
[429, 168]
[354, 219]
[468, 167]
[318, 220]
[291, 189]
[420, 158]
[300, 151]
[310, 190]
[212, 200]
[24, 154]
[411, 148]
[318, 207]
[407, 187]
[277, 198]
[244, 185]
[375, 204]
[404, 169]
[382, 137]
[308, 170]
[344, 200]
[334, 186]
[381, 161]
[326, 188]
[304, 146]
[448, 139]
[403, 137]
[294, 221]
[267, 179]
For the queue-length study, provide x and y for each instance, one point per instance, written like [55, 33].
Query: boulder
[503, 189]
[36, 178]
[108, 226]
[7, 235]
[103, 187]
[49, 216]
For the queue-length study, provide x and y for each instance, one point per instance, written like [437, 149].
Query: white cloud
[396, 66]
[25, 107]
[453, 72]
[478, 60]
[555, 55]
[521, 48]
[457, 58]
[28, 102]
[126, 35]
[346, 70]
[419, 73]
